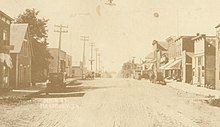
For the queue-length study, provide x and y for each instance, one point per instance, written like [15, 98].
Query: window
[4, 35]
[3, 19]
[218, 44]
[69, 63]
[200, 60]
[203, 73]
[8, 22]
[193, 72]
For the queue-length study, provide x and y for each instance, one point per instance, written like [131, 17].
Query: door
[199, 75]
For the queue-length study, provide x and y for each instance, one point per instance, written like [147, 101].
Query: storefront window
[203, 74]
[4, 35]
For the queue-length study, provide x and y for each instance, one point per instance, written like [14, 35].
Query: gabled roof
[203, 36]
[8, 17]
[163, 44]
[17, 36]
[184, 36]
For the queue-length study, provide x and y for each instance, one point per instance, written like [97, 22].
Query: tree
[38, 37]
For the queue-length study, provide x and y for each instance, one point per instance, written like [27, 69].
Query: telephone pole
[91, 59]
[60, 31]
[84, 39]
[99, 61]
[96, 59]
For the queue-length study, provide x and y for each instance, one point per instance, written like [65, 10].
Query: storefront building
[5, 59]
[204, 61]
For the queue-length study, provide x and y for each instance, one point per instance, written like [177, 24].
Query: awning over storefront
[175, 65]
[163, 67]
[5, 58]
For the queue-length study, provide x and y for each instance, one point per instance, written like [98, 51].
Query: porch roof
[167, 64]
[175, 65]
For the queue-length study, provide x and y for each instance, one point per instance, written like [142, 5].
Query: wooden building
[180, 52]
[20, 74]
[204, 61]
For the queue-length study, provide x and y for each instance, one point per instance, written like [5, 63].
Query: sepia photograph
[109, 63]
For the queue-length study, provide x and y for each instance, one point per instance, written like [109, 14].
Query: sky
[122, 31]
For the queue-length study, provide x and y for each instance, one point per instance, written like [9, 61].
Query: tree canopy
[38, 36]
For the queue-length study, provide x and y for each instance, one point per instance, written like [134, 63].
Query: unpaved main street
[113, 103]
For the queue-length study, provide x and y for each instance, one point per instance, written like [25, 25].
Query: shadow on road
[59, 95]
[71, 90]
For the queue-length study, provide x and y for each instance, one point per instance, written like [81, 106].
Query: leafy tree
[38, 37]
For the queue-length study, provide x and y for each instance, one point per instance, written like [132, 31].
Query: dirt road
[114, 103]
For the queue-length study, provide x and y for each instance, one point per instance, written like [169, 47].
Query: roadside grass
[13, 100]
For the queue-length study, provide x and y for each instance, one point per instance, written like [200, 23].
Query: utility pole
[91, 59]
[60, 31]
[99, 61]
[84, 39]
[96, 59]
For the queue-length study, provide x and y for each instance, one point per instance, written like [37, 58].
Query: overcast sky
[122, 31]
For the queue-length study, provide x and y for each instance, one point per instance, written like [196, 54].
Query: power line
[60, 31]
[96, 59]
[99, 61]
[84, 39]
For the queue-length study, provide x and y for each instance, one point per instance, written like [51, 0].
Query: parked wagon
[56, 82]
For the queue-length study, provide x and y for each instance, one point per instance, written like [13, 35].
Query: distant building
[160, 56]
[20, 74]
[204, 61]
[65, 62]
[5, 60]
[69, 66]
[146, 63]
[76, 71]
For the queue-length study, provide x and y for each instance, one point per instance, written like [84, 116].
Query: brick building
[5, 60]
[65, 63]
[76, 71]
[204, 61]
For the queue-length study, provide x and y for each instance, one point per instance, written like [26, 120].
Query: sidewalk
[29, 91]
[23, 92]
[194, 89]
